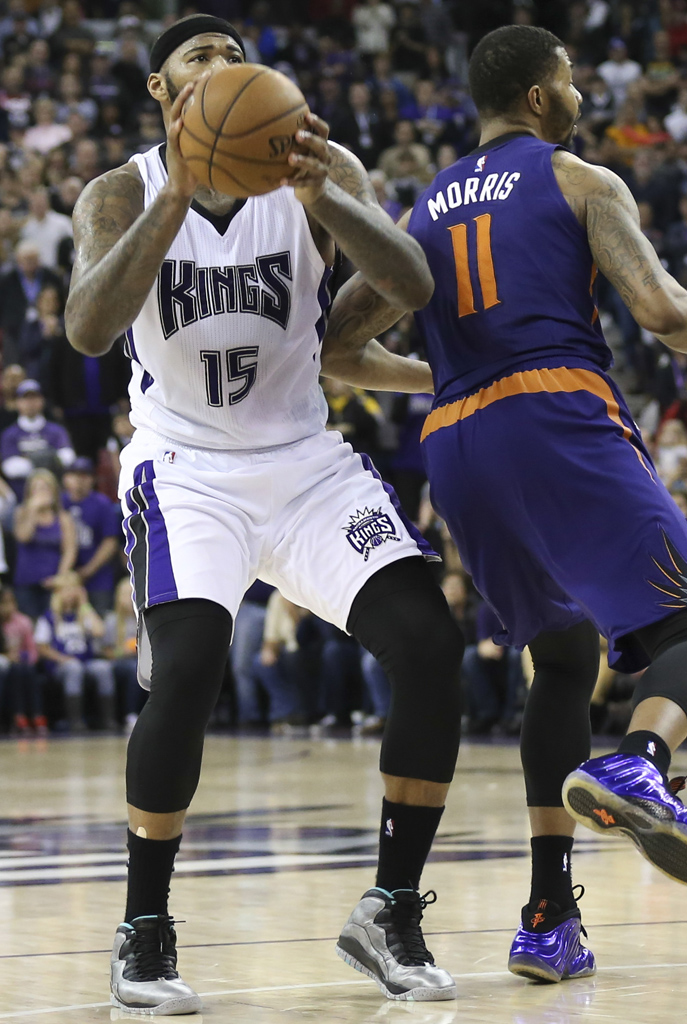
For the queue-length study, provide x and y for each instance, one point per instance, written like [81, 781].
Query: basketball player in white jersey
[231, 475]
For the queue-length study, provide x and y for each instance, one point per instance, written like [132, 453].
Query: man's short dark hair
[507, 63]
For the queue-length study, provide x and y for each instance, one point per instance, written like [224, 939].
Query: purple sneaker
[547, 945]
[624, 794]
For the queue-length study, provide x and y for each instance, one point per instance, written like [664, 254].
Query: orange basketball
[239, 128]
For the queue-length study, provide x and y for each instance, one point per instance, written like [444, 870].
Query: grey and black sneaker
[383, 939]
[144, 977]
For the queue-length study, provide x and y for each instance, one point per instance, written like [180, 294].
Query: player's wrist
[177, 196]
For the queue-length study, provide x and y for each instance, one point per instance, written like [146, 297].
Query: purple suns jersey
[515, 279]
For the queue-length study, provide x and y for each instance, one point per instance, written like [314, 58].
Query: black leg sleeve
[402, 618]
[189, 641]
[556, 733]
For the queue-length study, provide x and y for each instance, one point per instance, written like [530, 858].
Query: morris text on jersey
[472, 190]
[187, 293]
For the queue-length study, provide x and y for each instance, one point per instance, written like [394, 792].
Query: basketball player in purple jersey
[232, 475]
[538, 468]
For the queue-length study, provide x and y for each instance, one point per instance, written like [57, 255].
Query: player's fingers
[318, 147]
[317, 125]
[308, 164]
[179, 102]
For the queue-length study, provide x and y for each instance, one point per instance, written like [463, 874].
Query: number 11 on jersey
[241, 366]
[485, 265]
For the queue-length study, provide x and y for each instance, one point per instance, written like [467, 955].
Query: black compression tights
[556, 733]
[189, 641]
[401, 617]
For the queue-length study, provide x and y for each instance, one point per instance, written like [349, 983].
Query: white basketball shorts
[312, 518]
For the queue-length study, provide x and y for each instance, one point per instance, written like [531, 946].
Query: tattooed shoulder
[348, 173]
[106, 208]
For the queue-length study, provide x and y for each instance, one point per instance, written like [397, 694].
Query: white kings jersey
[226, 350]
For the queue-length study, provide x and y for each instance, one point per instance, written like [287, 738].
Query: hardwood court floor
[279, 848]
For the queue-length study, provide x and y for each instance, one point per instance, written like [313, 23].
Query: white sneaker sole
[424, 995]
[171, 1007]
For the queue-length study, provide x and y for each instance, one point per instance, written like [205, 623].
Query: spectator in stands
[119, 646]
[619, 72]
[23, 680]
[45, 228]
[87, 163]
[670, 451]
[98, 531]
[245, 647]
[379, 694]
[12, 376]
[433, 119]
[407, 157]
[72, 100]
[39, 77]
[373, 21]
[38, 335]
[84, 390]
[280, 666]
[409, 412]
[358, 129]
[409, 42]
[46, 543]
[65, 636]
[661, 77]
[494, 678]
[14, 97]
[676, 120]
[73, 36]
[46, 134]
[33, 441]
[675, 242]
[19, 291]
[9, 234]
[355, 414]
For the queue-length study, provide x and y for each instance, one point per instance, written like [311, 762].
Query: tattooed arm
[350, 352]
[604, 206]
[336, 192]
[120, 247]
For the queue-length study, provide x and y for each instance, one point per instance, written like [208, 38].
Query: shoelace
[577, 900]
[407, 914]
[152, 963]
[677, 784]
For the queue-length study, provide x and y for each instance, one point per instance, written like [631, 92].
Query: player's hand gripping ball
[239, 129]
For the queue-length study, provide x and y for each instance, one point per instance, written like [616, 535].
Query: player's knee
[661, 636]
[189, 643]
[570, 656]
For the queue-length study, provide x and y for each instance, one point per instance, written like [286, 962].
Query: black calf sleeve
[402, 618]
[556, 733]
[189, 641]
[666, 644]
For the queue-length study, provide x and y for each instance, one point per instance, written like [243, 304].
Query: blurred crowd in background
[391, 81]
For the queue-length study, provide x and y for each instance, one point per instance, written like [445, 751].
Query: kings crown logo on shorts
[368, 529]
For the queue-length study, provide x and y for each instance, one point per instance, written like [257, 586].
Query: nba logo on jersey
[479, 166]
[368, 529]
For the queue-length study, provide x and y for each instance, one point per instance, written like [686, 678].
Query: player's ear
[157, 87]
[535, 100]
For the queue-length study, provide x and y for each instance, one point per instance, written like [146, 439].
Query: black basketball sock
[405, 840]
[551, 873]
[151, 863]
[649, 745]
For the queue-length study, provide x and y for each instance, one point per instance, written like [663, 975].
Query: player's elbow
[664, 320]
[416, 293]
[83, 337]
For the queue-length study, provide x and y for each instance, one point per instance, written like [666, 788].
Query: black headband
[185, 29]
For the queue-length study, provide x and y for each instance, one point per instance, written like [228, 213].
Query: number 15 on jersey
[236, 366]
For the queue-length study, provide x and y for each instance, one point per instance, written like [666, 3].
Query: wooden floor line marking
[323, 938]
[316, 984]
